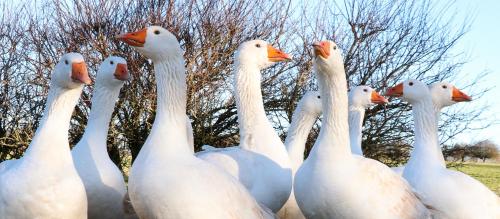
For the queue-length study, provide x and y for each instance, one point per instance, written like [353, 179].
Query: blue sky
[482, 44]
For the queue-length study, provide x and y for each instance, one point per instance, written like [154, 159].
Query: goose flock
[262, 177]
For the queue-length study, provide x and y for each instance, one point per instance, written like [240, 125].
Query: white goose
[452, 194]
[103, 180]
[261, 161]
[167, 180]
[44, 182]
[358, 102]
[305, 115]
[333, 183]
[443, 95]
[360, 98]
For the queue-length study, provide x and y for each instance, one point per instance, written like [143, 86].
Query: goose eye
[334, 47]
[319, 97]
[365, 90]
[111, 62]
[66, 62]
[257, 45]
[411, 83]
[444, 86]
[157, 32]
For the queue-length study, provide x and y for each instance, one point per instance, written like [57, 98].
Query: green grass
[487, 173]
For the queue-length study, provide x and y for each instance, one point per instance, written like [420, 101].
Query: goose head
[445, 94]
[71, 71]
[259, 53]
[311, 103]
[411, 90]
[113, 72]
[327, 55]
[363, 96]
[154, 42]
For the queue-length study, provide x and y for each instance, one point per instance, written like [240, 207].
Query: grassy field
[487, 173]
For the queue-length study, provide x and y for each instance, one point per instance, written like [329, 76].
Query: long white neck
[170, 120]
[356, 116]
[103, 102]
[437, 112]
[51, 137]
[334, 135]
[249, 101]
[295, 142]
[426, 147]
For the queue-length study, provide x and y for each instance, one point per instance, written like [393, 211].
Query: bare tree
[383, 43]
[16, 80]
[458, 152]
[484, 150]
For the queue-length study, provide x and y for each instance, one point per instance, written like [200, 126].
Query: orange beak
[79, 73]
[322, 49]
[276, 55]
[137, 39]
[395, 91]
[121, 72]
[459, 96]
[377, 98]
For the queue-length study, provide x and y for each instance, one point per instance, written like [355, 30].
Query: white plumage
[103, 180]
[167, 180]
[261, 161]
[451, 194]
[332, 183]
[44, 182]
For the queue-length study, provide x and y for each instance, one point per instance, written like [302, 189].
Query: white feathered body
[453, 194]
[268, 181]
[36, 189]
[204, 189]
[103, 181]
[374, 189]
